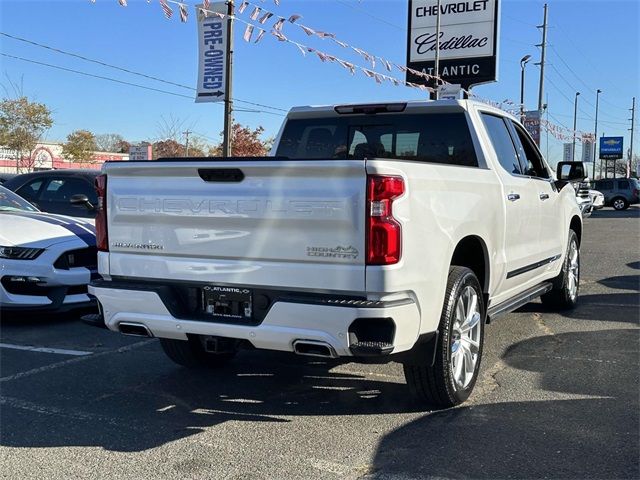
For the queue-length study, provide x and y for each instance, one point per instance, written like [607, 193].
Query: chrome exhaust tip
[314, 348]
[134, 329]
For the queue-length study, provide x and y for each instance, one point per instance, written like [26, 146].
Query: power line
[574, 89]
[94, 76]
[122, 82]
[126, 70]
[369, 14]
[595, 68]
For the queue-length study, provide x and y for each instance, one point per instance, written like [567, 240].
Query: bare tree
[170, 128]
[112, 142]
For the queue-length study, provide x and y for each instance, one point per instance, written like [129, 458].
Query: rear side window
[435, 138]
[623, 184]
[62, 189]
[30, 190]
[502, 143]
[606, 185]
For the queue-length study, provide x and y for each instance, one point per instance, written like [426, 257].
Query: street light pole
[595, 135]
[575, 118]
[437, 59]
[523, 63]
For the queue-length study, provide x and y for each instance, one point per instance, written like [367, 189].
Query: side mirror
[571, 171]
[81, 199]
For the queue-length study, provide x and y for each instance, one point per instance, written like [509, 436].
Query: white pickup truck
[386, 232]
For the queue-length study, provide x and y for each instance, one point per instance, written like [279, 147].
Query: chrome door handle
[544, 196]
[512, 197]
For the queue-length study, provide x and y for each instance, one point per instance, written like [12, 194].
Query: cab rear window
[435, 138]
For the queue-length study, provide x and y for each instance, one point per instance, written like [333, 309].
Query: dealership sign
[567, 152]
[532, 124]
[610, 148]
[587, 150]
[141, 152]
[468, 40]
[212, 58]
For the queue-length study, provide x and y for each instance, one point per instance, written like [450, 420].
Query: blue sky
[593, 44]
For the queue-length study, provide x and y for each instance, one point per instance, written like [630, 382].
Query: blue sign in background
[611, 147]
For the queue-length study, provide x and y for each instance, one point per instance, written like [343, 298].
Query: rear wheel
[620, 203]
[191, 353]
[451, 378]
[564, 294]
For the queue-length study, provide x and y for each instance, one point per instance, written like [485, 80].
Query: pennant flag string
[261, 15]
[183, 12]
[168, 12]
[323, 35]
[559, 132]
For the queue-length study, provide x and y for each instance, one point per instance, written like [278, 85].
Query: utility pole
[546, 107]
[228, 84]
[437, 59]
[542, 57]
[633, 118]
[186, 134]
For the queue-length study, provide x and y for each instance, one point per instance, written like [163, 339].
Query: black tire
[561, 297]
[435, 384]
[619, 203]
[191, 353]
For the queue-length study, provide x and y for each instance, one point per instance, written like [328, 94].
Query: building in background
[47, 156]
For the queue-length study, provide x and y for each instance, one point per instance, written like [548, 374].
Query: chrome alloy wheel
[618, 204]
[573, 273]
[465, 337]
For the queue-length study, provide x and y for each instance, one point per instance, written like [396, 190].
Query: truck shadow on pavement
[622, 282]
[536, 438]
[609, 307]
[137, 399]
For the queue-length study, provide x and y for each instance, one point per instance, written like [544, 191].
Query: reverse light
[20, 253]
[102, 237]
[384, 232]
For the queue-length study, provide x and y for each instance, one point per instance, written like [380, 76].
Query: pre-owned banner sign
[212, 58]
[468, 40]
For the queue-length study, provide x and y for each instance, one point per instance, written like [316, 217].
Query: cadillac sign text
[468, 40]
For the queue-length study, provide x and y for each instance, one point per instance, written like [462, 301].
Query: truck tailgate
[279, 223]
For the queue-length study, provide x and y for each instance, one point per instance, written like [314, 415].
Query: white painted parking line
[72, 361]
[60, 351]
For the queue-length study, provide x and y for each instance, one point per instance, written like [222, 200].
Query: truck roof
[413, 106]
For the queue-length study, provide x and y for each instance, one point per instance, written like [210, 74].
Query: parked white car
[597, 199]
[46, 260]
[385, 231]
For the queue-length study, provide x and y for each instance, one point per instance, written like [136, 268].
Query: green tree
[22, 124]
[80, 146]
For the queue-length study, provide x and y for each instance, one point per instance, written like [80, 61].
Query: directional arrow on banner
[211, 94]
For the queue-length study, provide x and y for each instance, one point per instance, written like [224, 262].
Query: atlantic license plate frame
[232, 303]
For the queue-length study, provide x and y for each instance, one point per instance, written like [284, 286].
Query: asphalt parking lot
[558, 398]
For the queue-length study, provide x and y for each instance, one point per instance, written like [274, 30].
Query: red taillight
[384, 233]
[102, 238]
